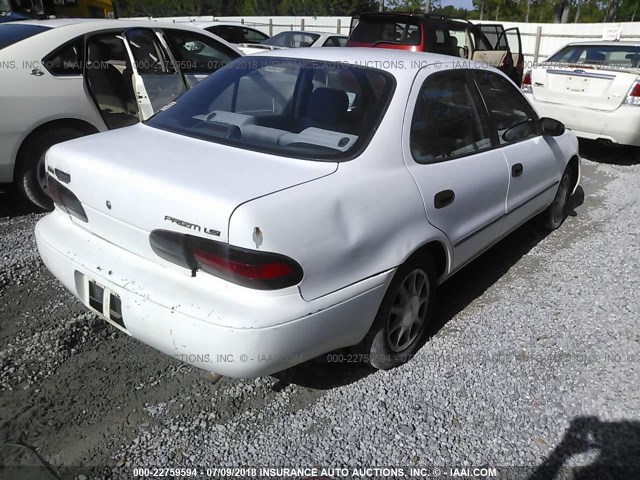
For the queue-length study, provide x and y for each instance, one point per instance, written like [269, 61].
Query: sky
[458, 3]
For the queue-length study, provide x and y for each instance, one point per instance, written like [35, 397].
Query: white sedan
[299, 202]
[593, 88]
[65, 78]
[295, 39]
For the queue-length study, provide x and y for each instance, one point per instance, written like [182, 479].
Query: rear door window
[335, 42]
[448, 121]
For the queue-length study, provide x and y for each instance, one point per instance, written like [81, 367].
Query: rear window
[290, 107]
[292, 39]
[398, 30]
[12, 33]
[620, 56]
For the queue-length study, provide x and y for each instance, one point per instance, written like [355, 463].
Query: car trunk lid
[138, 179]
[583, 86]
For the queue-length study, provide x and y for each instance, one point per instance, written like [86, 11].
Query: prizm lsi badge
[192, 226]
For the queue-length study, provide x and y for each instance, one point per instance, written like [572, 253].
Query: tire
[557, 212]
[31, 175]
[392, 341]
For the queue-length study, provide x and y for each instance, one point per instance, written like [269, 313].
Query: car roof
[62, 29]
[203, 23]
[329, 34]
[401, 63]
[605, 43]
[90, 24]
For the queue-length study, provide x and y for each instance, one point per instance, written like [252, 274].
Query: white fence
[539, 40]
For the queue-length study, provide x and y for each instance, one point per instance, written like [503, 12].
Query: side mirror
[518, 131]
[552, 127]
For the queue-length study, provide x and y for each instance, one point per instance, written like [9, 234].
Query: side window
[511, 113]
[198, 54]
[253, 36]
[149, 56]
[334, 42]
[66, 60]
[447, 121]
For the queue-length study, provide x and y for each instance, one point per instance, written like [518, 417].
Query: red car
[420, 32]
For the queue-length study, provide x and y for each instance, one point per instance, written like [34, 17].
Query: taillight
[633, 97]
[526, 82]
[65, 199]
[249, 268]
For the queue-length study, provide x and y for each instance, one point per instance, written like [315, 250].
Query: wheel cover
[408, 311]
[560, 202]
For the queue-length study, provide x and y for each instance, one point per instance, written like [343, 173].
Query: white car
[593, 88]
[232, 32]
[66, 78]
[299, 202]
[295, 39]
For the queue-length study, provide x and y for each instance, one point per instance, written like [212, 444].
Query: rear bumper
[216, 326]
[618, 126]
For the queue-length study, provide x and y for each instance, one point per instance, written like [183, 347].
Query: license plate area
[105, 302]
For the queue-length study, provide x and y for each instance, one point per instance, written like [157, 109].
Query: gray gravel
[535, 354]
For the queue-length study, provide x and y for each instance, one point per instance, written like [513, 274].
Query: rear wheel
[557, 212]
[32, 176]
[403, 316]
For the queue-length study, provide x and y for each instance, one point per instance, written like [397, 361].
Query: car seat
[104, 79]
[327, 109]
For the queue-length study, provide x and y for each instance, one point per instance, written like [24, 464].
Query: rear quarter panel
[28, 101]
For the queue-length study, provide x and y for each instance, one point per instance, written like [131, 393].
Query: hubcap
[408, 311]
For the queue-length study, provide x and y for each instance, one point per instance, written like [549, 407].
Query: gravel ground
[535, 361]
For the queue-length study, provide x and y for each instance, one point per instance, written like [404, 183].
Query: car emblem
[108, 204]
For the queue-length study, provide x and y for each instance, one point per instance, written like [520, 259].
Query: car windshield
[292, 39]
[12, 33]
[400, 30]
[614, 56]
[291, 107]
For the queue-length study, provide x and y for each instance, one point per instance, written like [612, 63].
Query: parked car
[593, 87]
[421, 32]
[299, 202]
[232, 32]
[296, 39]
[65, 78]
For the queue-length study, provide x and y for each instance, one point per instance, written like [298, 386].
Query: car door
[515, 46]
[197, 55]
[107, 74]
[534, 167]
[449, 149]
[155, 77]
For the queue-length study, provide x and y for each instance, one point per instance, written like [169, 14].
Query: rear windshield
[11, 33]
[615, 56]
[290, 107]
[292, 39]
[398, 30]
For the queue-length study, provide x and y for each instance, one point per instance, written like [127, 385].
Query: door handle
[517, 170]
[443, 198]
